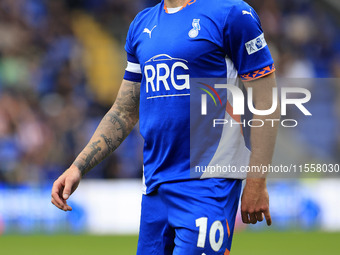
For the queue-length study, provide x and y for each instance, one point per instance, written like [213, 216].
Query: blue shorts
[193, 217]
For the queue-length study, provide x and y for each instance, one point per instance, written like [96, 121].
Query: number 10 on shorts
[202, 224]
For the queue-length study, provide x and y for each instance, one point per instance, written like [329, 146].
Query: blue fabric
[173, 48]
[169, 215]
[130, 76]
[131, 58]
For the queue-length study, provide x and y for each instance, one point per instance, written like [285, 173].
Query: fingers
[245, 217]
[64, 186]
[67, 188]
[248, 216]
[255, 205]
[254, 217]
[57, 200]
[65, 207]
[259, 216]
[268, 217]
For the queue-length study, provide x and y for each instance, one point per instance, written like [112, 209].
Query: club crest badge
[193, 33]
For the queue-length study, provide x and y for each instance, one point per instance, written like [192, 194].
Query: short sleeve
[245, 44]
[133, 70]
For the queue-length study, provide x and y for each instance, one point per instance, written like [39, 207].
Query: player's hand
[255, 202]
[64, 186]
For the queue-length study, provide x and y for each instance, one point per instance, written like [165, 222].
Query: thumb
[67, 188]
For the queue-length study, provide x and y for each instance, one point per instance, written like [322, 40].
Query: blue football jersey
[167, 48]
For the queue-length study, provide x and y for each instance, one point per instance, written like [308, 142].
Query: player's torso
[171, 50]
[189, 41]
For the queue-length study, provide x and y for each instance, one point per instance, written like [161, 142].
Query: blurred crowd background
[61, 64]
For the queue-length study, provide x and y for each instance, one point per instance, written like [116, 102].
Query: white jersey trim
[231, 149]
[144, 185]
[174, 95]
[133, 68]
[174, 10]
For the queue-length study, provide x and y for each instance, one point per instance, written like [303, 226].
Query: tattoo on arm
[113, 129]
[109, 143]
[118, 123]
[90, 159]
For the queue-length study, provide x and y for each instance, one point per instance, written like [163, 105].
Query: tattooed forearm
[117, 122]
[109, 143]
[90, 159]
[135, 94]
[113, 129]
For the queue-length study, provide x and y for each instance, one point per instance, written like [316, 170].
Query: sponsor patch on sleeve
[256, 44]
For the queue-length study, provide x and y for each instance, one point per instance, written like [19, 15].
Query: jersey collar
[187, 3]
